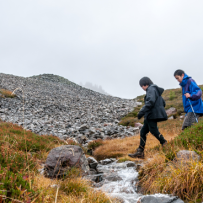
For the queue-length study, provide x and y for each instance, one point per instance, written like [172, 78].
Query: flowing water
[124, 187]
[120, 181]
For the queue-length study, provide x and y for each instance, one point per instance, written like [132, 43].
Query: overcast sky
[112, 43]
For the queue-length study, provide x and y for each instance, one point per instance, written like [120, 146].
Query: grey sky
[112, 43]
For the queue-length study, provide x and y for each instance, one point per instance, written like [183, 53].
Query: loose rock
[61, 159]
[160, 199]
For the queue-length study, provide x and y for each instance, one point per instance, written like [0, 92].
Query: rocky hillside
[57, 106]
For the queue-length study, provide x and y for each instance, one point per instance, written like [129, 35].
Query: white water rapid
[124, 181]
[119, 180]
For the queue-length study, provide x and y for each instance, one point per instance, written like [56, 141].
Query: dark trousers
[150, 126]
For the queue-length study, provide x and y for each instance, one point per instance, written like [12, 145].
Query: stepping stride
[153, 112]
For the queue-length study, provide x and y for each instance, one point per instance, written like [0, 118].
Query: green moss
[94, 144]
[121, 160]
[172, 95]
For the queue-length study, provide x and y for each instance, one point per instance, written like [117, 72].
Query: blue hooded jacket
[190, 86]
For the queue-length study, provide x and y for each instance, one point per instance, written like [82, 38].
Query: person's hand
[187, 95]
[139, 116]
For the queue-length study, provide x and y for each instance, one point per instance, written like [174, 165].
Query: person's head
[145, 82]
[179, 75]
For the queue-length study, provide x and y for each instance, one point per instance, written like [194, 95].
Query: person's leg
[143, 133]
[155, 131]
[139, 153]
[189, 120]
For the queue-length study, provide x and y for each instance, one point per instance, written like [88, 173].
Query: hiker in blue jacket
[190, 91]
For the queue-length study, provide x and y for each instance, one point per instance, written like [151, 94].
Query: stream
[119, 180]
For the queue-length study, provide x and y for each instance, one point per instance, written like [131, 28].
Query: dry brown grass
[122, 147]
[180, 179]
[6, 93]
[73, 190]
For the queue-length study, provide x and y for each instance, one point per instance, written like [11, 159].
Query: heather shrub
[14, 185]
[21, 140]
[14, 161]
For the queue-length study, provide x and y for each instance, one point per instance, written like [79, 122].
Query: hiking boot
[139, 153]
[164, 144]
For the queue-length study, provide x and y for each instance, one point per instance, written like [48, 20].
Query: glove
[139, 116]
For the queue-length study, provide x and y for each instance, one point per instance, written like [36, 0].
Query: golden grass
[7, 93]
[72, 190]
[122, 147]
[184, 180]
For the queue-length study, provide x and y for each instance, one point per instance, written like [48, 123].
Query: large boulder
[61, 159]
[160, 199]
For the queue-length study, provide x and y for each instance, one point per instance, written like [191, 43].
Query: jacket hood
[184, 81]
[159, 89]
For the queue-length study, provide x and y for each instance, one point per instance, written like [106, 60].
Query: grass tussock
[21, 154]
[73, 190]
[180, 179]
[6, 93]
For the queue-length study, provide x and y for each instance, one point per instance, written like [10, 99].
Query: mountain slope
[57, 106]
